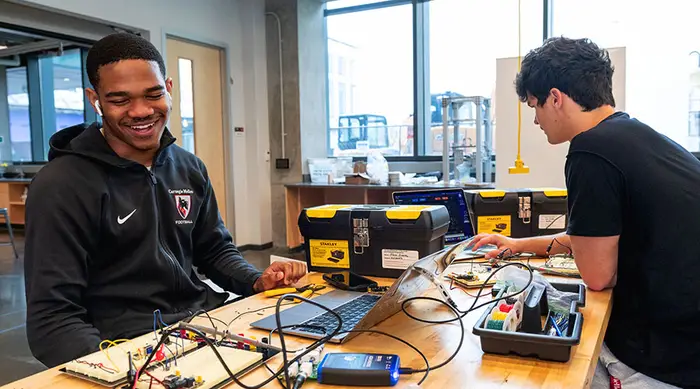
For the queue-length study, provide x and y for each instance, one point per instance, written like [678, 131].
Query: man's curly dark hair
[577, 67]
[118, 47]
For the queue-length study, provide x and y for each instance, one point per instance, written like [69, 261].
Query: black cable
[274, 330]
[279, 379]
[478, 295]
[460, 314]
[457, 317]
[278, 321]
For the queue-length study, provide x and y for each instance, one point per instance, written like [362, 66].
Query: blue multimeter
[359, 369]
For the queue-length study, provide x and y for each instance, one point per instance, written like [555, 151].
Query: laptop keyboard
[351, 312]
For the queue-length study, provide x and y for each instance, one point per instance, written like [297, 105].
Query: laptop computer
[454, 200]
[358, 310]
[461, 225]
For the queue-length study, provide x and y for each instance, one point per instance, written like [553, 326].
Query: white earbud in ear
[98, 108]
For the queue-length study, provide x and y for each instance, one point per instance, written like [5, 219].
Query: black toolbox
[518, 213]
[371, 240]
[541, 346]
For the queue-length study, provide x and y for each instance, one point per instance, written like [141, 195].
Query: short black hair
[577, 67]
[118, 47]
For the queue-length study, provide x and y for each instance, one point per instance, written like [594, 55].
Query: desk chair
[3, 213]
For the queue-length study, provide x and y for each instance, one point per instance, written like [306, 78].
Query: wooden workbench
[304, 195]
[470, 369]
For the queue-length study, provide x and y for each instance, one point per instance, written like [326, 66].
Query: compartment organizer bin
[537, 345]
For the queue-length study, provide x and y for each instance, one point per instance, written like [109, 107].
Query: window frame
[421, 69]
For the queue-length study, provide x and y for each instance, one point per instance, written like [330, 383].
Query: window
[186, 103]
[17, 98]
[384, 57]
[45, 94]
[662, 70]
[465, 39]
[370, 77]
[66, 80]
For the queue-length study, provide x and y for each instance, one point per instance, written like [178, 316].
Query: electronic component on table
[239, 338]
[358, 369]
[474, 277]
[561, 265]
[111, 365]
[200, 369]
[306, 367]
[178, 382]
[564, 263]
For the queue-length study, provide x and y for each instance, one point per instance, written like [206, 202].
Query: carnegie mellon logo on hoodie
[183, 204]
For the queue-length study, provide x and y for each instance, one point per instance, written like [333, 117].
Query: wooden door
[197, 118]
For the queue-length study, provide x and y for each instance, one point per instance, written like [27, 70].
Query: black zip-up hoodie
[108, 242]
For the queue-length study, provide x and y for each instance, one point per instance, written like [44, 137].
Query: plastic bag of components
[377, 167]
[558, 300]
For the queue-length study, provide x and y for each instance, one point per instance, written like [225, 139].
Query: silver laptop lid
[411, 283]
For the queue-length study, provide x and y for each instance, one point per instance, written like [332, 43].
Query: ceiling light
[66, 79]
[3, 47]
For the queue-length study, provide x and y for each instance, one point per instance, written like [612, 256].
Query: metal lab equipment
[481, 157]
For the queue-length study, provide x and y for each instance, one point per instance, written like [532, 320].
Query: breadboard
[560, 264]
[203, 363]
[471, 283]
[479, 273]
[97, 367]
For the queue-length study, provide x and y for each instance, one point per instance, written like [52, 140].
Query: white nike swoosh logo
[121, 220]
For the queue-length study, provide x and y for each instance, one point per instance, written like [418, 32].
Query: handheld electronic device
[347, 280]
[358, 369]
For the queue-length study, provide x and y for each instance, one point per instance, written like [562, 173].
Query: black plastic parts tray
[541, 346]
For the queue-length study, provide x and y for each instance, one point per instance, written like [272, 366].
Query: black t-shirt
[624, 178]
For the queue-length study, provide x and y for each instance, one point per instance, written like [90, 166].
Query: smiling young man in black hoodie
[120, 216]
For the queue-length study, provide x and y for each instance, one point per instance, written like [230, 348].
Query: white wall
[659, 37]
[546, 161]
[255, 195]
[238, 24]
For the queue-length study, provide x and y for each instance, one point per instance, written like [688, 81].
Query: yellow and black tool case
[518, 213]
[371, 240]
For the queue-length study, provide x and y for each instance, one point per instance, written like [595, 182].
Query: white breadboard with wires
[199, 369]
[110, 365]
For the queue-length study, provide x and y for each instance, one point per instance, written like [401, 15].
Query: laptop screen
[453, 199]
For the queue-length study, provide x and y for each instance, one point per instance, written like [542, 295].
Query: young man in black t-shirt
[634, 216]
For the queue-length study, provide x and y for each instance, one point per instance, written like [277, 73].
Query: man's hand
[500, 241]
[279, 274]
